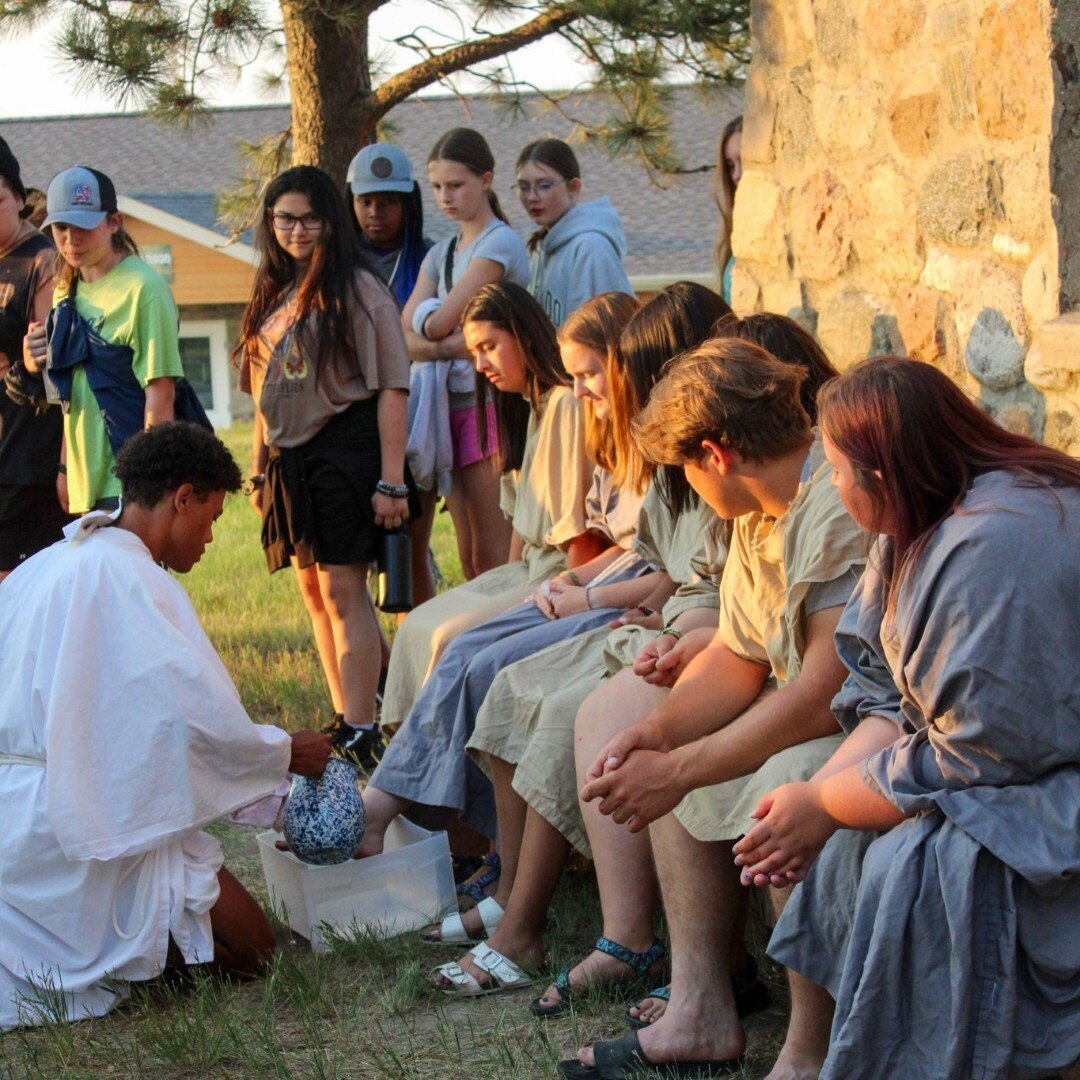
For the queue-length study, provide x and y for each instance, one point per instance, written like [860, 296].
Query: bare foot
[470, 919]
[648, 1010]
[597, 967]
[687, 1034]
[788, 1069]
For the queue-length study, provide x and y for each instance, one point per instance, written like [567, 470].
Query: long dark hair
[513, 309]
[469, 148]
[677, 319]
[327, 283]
[724, 193]
[910, 423]
[597, 325]
[413, 247]
[787, 341]
[556, 155]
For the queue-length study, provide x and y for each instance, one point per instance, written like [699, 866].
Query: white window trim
[214, 329]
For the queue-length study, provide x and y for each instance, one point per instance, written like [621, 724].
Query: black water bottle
[394, 587]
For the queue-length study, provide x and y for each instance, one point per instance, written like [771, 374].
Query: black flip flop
[622, 1059]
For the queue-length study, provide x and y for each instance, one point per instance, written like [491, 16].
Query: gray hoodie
[579, 258]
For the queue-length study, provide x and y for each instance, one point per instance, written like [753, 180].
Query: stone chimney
[911, 185]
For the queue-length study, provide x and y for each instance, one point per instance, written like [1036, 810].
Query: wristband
[674, 631]
[392, 491]
[573, 578]
[61, 468]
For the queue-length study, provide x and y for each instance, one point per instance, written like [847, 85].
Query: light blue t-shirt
[498, 242]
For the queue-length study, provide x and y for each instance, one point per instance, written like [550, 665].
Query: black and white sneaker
[363, 746]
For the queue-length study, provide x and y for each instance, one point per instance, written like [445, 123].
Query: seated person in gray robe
[956, 954]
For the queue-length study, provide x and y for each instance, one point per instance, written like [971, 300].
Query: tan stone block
[821, 227]
[915, 122]
[782, 31]
[1013, 81]
[954, 202]
[1040, 290]
[1018, 418]
[957, 85]
[783, 297]
[846, 327]
[951, 23]
[837, 32]
[939, 271]
[1025, 192]
[759, 117]
[926, 323]
[846, 117]
[886, 236]
[1062, 429]
[888, 27]
[745, 292]
[758, 234]
[795, 120]
[1058, 342]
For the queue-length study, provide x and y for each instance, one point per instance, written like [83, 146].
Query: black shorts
[317, 500]
[30, 519]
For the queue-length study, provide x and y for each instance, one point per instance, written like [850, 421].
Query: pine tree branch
[439, 65]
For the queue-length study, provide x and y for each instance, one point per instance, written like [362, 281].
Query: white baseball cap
[380, 167]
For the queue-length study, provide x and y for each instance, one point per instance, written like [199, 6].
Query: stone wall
[911, 185]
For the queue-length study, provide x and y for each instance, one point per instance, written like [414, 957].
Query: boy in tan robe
[729, 414]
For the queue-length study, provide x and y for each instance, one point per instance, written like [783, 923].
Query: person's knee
[343, 593]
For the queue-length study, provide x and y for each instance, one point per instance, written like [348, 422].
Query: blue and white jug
[323, 820]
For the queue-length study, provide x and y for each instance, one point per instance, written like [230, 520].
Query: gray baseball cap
[81, 197]
[380, 167]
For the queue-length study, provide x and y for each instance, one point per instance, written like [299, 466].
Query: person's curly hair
[155, 462]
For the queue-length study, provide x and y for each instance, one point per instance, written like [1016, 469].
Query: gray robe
[959, 957]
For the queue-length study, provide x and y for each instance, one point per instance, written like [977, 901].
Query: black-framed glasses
[523, 189]
[287, 222]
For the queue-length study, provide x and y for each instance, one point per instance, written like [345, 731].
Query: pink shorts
[465, 435]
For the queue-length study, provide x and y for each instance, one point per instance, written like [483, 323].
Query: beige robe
[528, 715]
[771, 567]
[545, 502]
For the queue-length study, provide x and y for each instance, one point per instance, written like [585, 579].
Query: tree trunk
[329, 84]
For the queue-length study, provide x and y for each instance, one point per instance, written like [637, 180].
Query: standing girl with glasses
[446, 454]
[577, 251]
[322, 353]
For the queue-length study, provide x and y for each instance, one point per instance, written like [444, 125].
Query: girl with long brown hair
[603, 575]
[963, 755]
[726, 180]
[322, 353]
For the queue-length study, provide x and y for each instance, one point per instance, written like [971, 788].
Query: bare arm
[425, 289]
[585, 547]
[447, 319]
[160, 397]
[392, 410]
[451, 347]
[796, 713]
[517, 547]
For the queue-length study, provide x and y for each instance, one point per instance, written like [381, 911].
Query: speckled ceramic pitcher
[324, 819]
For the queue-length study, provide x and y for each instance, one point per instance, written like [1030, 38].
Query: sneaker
[362, 746]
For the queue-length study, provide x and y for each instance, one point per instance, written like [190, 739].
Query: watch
[253, 483]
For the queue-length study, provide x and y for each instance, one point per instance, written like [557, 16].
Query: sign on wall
[159, 256]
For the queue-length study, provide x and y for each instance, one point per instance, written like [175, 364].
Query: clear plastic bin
[408, 886]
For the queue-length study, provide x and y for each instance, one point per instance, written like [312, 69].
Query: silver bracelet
[392, 491]
[674, 631]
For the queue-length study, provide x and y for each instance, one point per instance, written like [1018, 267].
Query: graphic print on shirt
[286, 368]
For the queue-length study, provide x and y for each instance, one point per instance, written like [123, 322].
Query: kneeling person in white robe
[121, 734]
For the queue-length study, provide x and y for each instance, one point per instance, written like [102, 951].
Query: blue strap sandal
[638, 962]
[475, 889]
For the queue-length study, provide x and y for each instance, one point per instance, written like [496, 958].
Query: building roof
[670, 229]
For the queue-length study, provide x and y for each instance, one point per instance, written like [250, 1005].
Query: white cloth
[113, 687]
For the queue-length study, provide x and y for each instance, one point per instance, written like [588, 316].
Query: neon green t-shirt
[131, 305]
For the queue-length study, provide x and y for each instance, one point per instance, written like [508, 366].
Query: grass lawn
[367, 1009]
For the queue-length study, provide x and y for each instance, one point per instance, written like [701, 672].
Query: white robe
[121, 734]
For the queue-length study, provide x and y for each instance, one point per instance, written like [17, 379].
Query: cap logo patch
[381, 168]
[81, 195]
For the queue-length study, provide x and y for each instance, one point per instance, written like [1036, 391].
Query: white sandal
[452, 929]
[506, 975]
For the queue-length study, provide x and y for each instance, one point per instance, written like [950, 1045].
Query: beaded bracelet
[588, 597]
[392, 491]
